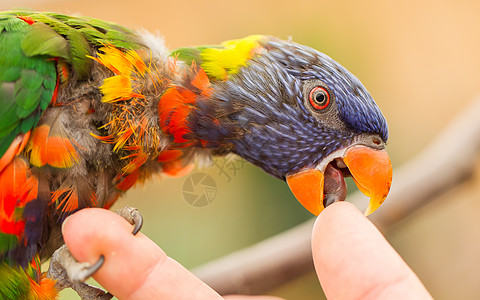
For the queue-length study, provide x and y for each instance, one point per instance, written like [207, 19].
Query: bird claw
[133, 216]
[68, 272]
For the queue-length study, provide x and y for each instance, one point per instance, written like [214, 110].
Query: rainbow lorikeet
[89, 108]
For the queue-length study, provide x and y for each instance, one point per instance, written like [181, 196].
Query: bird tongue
[334, 187]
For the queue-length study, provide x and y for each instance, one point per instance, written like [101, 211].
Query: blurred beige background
[420, 60]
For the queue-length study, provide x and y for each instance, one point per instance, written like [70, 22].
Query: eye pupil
[320, 97]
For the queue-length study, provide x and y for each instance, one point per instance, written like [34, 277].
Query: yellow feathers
[117, 88]
[219, 62]
[120, 62]
[123, 64]
[127, 125]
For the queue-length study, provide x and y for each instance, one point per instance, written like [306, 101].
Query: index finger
[134, 267]
[354, 261]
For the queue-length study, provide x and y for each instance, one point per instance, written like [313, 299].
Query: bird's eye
[319, 98]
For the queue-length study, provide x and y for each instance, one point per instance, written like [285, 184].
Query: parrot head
[294, 112]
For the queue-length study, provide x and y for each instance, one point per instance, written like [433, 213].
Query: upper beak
[371, 170]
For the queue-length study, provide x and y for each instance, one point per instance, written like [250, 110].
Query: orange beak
[371, 170]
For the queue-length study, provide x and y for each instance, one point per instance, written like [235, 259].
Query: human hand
[135, 267]
[352, 259]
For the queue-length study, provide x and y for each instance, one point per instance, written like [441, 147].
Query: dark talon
[95, 267]
[138, 222]
[133, 217]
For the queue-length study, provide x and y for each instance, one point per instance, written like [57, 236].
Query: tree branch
[446, 162]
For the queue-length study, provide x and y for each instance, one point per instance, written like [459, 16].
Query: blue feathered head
[297, 114]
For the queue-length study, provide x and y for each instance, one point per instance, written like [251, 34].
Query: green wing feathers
[72, 38]
[32, 46]
[26, 83]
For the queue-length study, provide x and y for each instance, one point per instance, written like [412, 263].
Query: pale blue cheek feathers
[260, 115]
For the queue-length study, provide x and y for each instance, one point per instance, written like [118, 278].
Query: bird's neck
[187, 113]
[190, 111]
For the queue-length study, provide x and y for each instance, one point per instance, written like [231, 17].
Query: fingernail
[65, 222]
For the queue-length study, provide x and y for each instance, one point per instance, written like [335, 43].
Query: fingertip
[337, 212]
[92, 224]
[89, 219]
[336, 221]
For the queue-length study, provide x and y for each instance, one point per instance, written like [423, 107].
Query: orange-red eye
[319, 98]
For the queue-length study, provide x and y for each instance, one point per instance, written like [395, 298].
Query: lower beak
[371, 170]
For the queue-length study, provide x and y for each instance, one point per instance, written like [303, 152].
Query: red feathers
[169, 155]
[74, 195]
[177, 103]
[201, 82]
[17, 187]
[125, 183]
[27, 19]
[174, 108]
